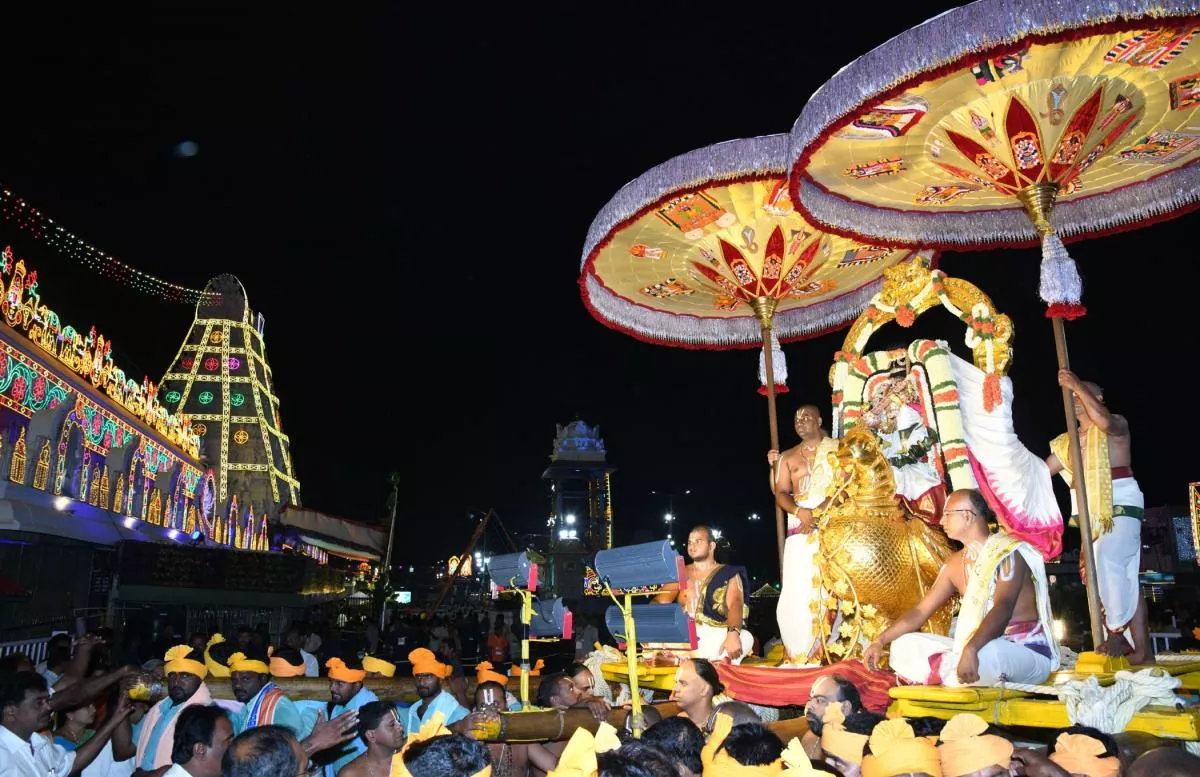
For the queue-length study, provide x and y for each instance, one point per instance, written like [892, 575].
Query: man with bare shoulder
[1115, 509]
[1004, 624]
[801, 483]
[715, 598]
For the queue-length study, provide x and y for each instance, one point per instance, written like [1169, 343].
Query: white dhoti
[799, 591]
[1119, 555]
[710, 643]
[930, 659]
[1025, 653]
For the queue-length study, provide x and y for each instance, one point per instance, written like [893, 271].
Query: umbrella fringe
[778, 364]
[1060, 286]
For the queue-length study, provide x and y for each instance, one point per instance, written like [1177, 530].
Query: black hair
[680, 739]
[708, 674]
[453, 755]
[290, 655]
[549, 688]
[707, 530]
[370, 715]
[195, 726]
[262, 751]
[635, 759]
[576, 668]
[865, 722]
[500, 689]
[752, 744]
[847, 691]
[9, 663]
[58, 650]
[978, 504]
[1110, 745]
[926, 726]
[15, 686]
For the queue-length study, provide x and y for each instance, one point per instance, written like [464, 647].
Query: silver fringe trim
[723, 333]
[954, 34]
[779, 373]
[1096, 213]
[721, 161]
[1059, 282]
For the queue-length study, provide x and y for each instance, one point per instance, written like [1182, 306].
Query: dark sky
[405, 190]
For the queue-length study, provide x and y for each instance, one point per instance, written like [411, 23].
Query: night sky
[404, 192]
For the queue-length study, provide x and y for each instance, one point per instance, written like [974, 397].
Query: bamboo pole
[765, 307]
[386, 688]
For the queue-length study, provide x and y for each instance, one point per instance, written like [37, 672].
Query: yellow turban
[484, 673]
[722, 764]
[578, 758]
[176, 660]
[434, 727]
[342, 673]
[1081, 754]
[836, 740]
[796, 758]
[425, 662]
[534, 670]
[378, 665]
[215, 668]
[239, 663]
[281, 668]
[894, 750]
[966, 748]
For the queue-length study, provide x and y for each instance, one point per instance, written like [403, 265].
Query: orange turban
[836, 740]
[966, 748]
[379, 666]
[484, 673]
[1081, 754]
[534, 671]
[281, 668]
[176, 660]
[239, 663]
[425, 662]
[722, 764]
[895, 750]
[342, 673]
[215, 668]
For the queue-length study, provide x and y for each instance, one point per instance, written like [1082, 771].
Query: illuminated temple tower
[580, 503]
[221, 378]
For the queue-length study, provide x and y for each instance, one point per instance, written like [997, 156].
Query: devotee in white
[1004, 624]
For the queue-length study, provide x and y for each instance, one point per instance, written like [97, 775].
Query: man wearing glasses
[1004, 623]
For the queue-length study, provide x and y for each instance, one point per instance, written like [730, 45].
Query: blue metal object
[655, 623]
[551, 618]
[633, 566]
[512, 570]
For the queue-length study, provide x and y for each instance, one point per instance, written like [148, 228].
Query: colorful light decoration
[89, 357]
[31, 221]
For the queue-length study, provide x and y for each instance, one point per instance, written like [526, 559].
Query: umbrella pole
[1077, 482]
[765, 308]
[1038, 201]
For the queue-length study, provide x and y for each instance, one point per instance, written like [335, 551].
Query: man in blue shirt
[428, 674]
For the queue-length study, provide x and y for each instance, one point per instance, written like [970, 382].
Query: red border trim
[800, 166]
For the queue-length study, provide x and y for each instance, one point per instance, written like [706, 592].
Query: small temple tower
[222, 379]
[580, 490]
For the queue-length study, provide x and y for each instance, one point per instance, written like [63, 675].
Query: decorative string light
[30, 220]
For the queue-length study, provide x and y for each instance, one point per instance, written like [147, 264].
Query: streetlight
[755, 517]
[716, 534]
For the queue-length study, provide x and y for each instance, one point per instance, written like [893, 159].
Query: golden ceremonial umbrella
[1008, 124]
[706, 251]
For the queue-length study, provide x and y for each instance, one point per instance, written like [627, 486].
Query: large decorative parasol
[706, 251]
[1008, 124]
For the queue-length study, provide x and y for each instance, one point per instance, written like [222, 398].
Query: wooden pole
[386, 688]
[765, 308]
[1077, 483]
[445, 589]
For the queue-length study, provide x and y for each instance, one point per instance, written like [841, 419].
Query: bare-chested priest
[802, 482]
[1115, 509]
[1004, 623]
